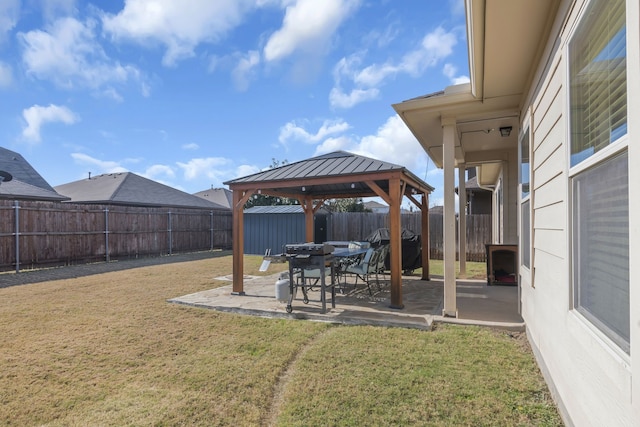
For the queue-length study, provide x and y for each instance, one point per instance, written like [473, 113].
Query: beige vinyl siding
[549, 180]
[549, 193]
[551, 217]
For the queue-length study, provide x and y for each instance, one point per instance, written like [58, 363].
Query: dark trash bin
[411, 247]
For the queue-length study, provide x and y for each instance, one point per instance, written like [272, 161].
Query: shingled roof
[26, 183]
[129, 189]
[220, 196]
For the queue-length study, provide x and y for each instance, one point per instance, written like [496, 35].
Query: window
[525, 214]
[525, 178]
[599, 169]
[598, 79]
[601, 246]
[526, 234]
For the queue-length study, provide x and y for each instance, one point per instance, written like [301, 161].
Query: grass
[109, 350]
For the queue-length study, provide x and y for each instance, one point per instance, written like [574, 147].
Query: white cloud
[155, 171]
[179, 26]
[191, 146]
[293, 132]
[9, 13]
[450, 71]
[339, 99]
[210, 167]
[55, 8]
[439, 44]
[245, 170]
[6, 75]
[308, 26]
[330, 145]
[101, 165]
[434, 47]
[393, 142]
[69, 55]
[37, 115]
[245, 69]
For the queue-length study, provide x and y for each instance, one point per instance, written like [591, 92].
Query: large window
[599, 169]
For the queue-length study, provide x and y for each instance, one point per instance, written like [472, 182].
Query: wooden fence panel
[51, 233]
[359, 225]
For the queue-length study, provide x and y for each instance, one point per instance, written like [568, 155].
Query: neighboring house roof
[129, 189]
[373, 205]
[220, 196]
[26, 183]
[436, 209]
[472, 185]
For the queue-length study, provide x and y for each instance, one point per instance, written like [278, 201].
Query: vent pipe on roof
[89, 175]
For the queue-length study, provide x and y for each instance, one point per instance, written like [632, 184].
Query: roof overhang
[505, 42]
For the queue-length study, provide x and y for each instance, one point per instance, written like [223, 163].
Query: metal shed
[272, 227]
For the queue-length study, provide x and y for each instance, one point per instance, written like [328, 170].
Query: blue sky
[192, 93]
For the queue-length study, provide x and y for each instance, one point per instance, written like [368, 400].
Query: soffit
[504, 41]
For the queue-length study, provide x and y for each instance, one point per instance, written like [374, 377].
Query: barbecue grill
[310, 256]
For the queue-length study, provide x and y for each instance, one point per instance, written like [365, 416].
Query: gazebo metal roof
[335, 175]
[332, 176]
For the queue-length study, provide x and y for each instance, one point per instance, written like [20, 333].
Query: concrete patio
[478, 304]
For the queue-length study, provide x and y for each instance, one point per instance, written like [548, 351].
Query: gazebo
[334, 176]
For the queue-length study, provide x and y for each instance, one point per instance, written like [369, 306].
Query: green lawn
[109, 350]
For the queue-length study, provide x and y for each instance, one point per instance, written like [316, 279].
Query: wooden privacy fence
[34, 234]
[358, 225]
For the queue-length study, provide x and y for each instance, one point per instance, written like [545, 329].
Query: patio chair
[382, 250]
[365, 268]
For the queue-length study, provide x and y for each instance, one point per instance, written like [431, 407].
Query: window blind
[597, 55]
[601, 246]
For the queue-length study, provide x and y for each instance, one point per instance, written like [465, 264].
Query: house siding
[592, 377]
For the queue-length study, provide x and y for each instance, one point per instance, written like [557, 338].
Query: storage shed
[272, 227]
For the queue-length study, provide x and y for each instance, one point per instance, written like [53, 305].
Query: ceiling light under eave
[505, 131]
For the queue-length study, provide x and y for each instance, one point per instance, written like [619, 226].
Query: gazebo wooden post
[240, 197]
[308, 218]
[426, 244]
[238, 243]
[395, 242]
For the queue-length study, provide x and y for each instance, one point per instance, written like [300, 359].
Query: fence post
[106, 235]
[170, 235]
[211, 221]
[16, 208]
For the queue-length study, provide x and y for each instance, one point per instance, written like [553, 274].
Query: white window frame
[613, 149]
[524, 269]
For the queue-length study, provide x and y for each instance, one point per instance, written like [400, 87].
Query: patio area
[478, 304]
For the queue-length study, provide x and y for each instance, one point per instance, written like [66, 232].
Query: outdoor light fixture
[505, 131]
[353, 185]
[304, 189]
